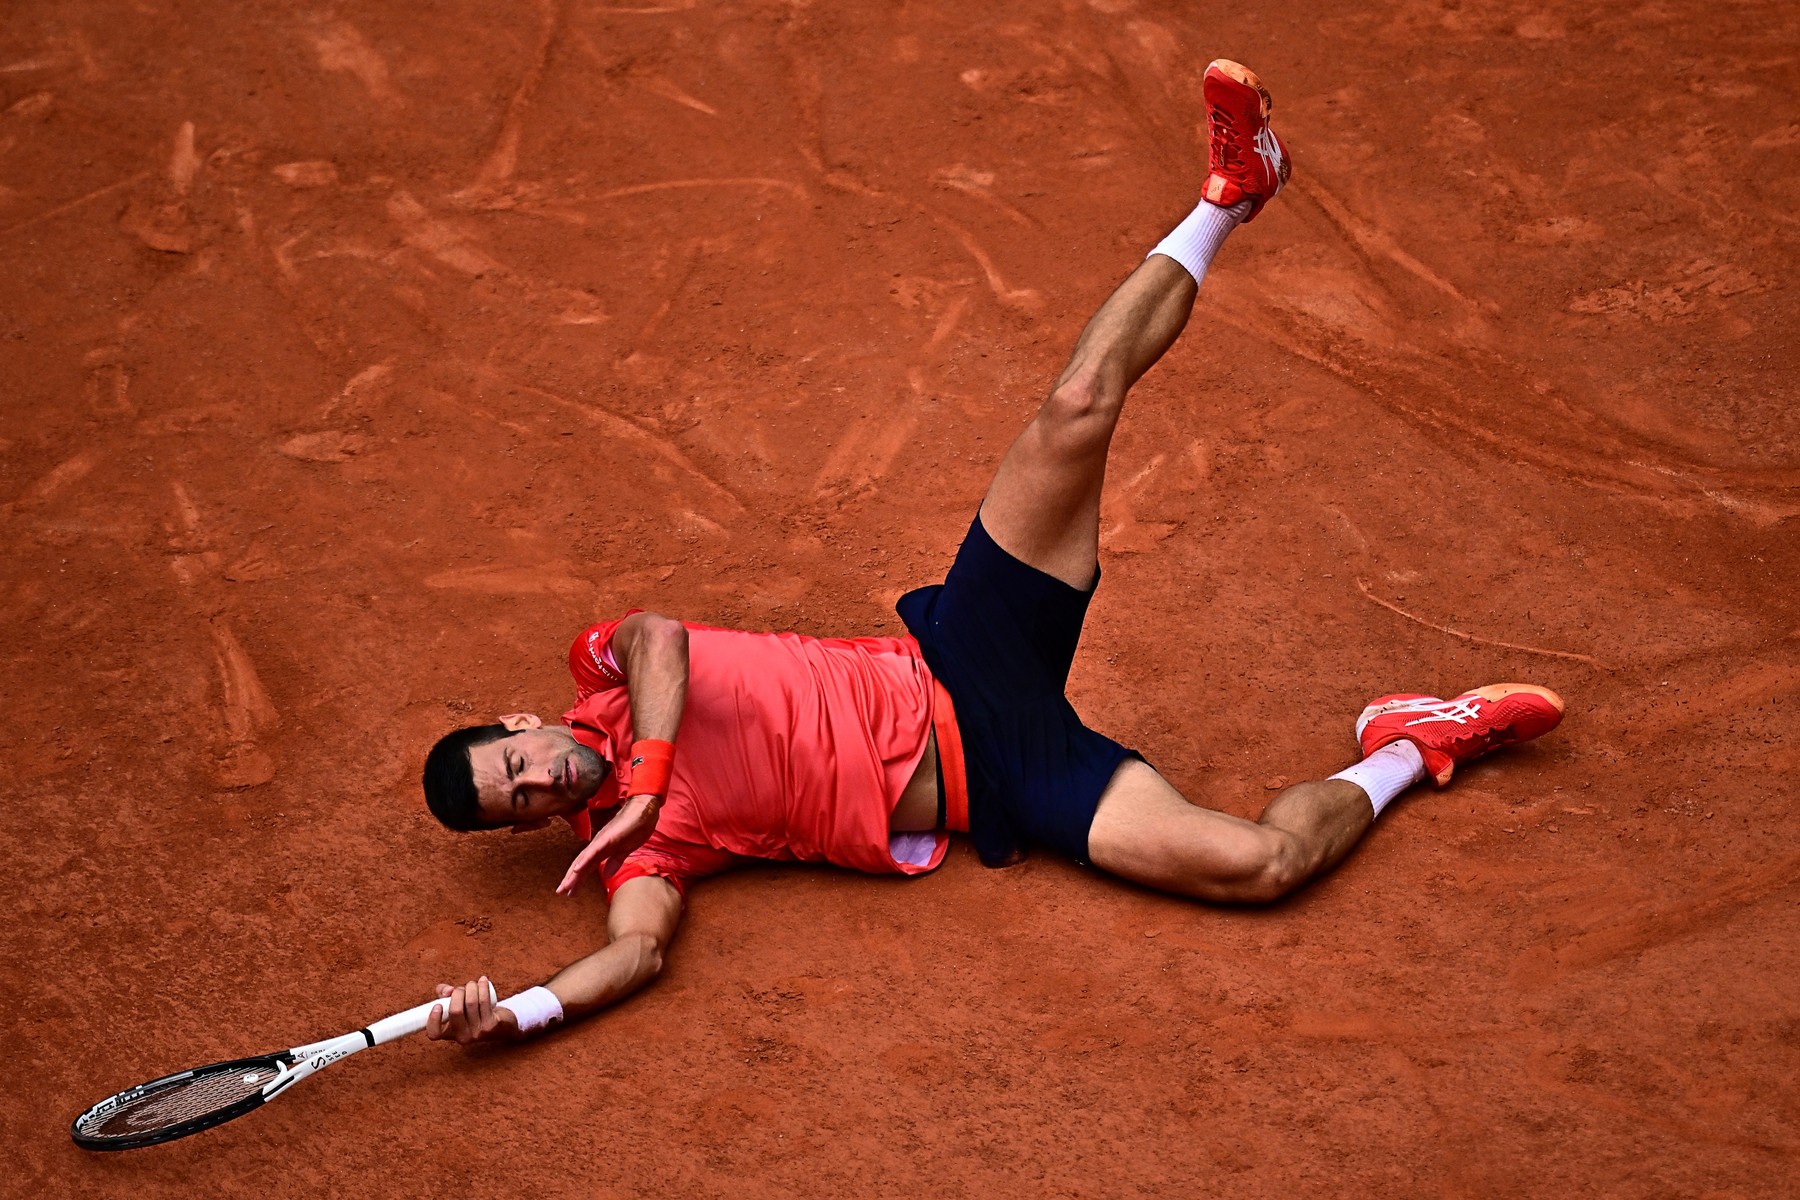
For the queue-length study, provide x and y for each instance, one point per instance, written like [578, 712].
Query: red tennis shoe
[1451, 732]
[1245, 159]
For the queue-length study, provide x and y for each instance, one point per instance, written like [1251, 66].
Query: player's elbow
[664, 637]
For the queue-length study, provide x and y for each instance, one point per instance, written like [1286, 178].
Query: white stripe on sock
[1199, 236]
[1387, 772]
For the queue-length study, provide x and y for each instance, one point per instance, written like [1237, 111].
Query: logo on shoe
[1269, 150]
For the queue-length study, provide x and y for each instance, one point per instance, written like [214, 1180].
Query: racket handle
[405, 1024]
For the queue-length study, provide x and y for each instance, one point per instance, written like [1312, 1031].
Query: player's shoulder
[591, 660]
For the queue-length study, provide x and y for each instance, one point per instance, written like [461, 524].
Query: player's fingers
[439, 1018]
[472, 1009]
[606, 843]
[484, 1005]
[472, 1002]
[605, 836]
[592, 852]
[444, 989]
[459, 1021]
[573, 876]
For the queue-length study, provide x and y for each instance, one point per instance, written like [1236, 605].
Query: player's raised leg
[1148, 832]
[1044, 504]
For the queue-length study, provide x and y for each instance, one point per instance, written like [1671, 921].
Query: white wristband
[535, 1008]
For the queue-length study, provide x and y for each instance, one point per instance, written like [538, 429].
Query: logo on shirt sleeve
[599, 652]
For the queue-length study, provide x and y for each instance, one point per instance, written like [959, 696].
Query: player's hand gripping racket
[189, 1101]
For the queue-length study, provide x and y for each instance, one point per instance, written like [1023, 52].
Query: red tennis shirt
[792, 748]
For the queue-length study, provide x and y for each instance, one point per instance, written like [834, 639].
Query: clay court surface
[355, 356]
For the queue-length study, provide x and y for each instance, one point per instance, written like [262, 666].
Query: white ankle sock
[1199, 236]
[1387, 772]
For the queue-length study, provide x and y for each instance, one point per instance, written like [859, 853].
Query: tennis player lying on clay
[695, 748]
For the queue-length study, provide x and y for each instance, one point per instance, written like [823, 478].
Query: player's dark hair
[450, 780]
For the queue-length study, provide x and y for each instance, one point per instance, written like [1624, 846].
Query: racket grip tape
[405, 1024]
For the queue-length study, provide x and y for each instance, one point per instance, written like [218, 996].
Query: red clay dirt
[355, 356]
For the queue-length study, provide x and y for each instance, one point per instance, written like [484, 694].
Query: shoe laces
[1226, 151]
[1459, 711]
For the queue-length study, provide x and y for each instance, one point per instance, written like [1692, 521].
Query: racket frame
[291, 1066]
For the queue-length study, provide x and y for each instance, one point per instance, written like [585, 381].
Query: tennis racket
[190, 1101]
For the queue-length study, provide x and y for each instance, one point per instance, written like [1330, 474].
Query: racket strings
[180, 1103]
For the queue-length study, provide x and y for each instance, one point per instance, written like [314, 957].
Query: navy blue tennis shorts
[1000, 636]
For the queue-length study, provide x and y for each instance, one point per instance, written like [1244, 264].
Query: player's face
[535, 773]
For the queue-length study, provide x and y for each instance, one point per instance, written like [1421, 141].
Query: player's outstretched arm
[639, 928]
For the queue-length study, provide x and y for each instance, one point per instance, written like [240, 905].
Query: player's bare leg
[1044, 508]
[1148, 832]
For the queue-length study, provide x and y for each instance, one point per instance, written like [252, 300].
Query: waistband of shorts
[954, 791]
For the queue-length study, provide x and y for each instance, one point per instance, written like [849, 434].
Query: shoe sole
[1239, 73]
[1243, 76]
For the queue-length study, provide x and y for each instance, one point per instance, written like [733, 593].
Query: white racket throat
[316, 1055]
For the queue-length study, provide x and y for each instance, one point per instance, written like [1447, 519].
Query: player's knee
[1279, 869]
[647, 952]
[1080, 407]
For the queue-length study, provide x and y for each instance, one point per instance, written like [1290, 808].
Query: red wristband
[652, 762]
